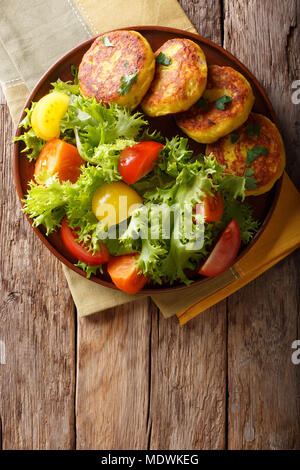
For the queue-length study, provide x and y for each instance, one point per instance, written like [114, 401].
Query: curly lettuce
[46, 204]
[89, 269]
[169, 258]
[167, 252]
[33, 143]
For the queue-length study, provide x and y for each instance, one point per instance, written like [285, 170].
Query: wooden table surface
[127, 378]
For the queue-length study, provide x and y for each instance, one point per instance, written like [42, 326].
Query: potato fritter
[118, 67]
[257, 136]
[179, 84]
[204, 122]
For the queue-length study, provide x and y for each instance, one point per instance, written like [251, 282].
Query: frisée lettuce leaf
[33, 143]
[168, 253]
[46, 204]
[167, 257]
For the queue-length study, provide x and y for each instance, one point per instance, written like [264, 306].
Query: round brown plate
[263, 205]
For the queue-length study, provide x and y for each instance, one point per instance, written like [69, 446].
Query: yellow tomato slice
[47, 114]
[115, 202]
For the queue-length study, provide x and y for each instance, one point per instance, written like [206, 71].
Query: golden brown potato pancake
[204, 122]
[177, 86]
[231, 151]
[114, 60]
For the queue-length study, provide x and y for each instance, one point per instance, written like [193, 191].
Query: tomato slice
[136, 161]
[211, 207]
[79, 250]
[57, 156]
[224, 252]
[124, 274]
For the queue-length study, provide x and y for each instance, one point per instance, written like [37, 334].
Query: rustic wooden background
[127, 378]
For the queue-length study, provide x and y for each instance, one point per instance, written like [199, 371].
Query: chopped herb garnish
[221, 102]
[125, 64]
[107, 42]
[162, 59]
[74, 72]
[126, 83]
[234, 138]
[255, 152]
[249, 172]
[201, 103]
[251, 182]
[253, 129]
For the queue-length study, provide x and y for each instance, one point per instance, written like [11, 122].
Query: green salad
[176, 181]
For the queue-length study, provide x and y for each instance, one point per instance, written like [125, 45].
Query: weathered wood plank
[188, 367]
[113, 378]
[188, 382]
[37, 327]
[206, 16]
[264, 385]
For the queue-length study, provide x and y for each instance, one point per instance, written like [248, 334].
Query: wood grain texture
[37, 326]
[264, 385]
[206, 16]
[113, 378]
[188, 382]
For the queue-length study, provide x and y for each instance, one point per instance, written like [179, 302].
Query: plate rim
[16, 153]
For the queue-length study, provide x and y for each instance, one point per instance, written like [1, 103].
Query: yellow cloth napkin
[31, 40]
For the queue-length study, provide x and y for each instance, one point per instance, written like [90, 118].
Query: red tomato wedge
[136, 161]
[57, 156]
[124, 274]
[211, 207]
[79, 250]
[224, 252]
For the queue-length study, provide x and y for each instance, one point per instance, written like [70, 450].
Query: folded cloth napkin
[31, 40]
